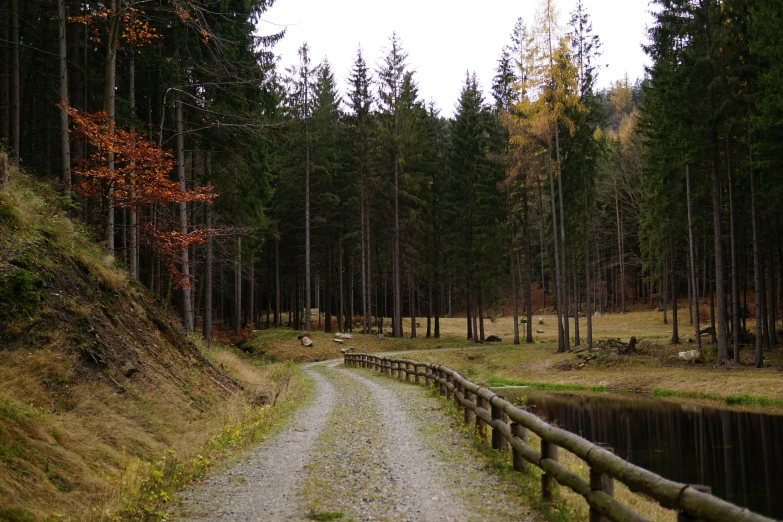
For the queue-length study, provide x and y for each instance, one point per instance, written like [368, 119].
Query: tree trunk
[16, 107]
[251, 292]
[328, 291]
[735, 299]
[723, 350]
[620, 246]
[65, 142]
[429, 311]
[672, 261]
[515, 311]
[183, 219]
[238, 286]
[771, 308]
[396, 279]
[757, 276]
[412, 305]
[577, 340]
[341, 294]
[694, 269]
[561, 346]
[207, 323]
[109, 104]
[588, 301]
[481, 314]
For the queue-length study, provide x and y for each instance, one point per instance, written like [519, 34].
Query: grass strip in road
[349, 477]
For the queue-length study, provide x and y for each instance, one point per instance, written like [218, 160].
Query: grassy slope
[96, 385]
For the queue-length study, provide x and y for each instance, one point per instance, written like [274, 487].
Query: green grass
[743, 399]
[499, 382]
[325, 516]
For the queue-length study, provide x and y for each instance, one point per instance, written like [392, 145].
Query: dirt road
[366, 448]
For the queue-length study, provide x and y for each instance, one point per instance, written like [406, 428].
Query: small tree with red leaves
[138, 181]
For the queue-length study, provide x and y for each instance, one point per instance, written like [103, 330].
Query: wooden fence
[484, 408]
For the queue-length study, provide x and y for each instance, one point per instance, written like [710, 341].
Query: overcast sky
[445, 39]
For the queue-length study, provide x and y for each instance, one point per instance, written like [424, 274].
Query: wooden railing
[484, 408]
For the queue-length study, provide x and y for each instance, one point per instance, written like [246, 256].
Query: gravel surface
[265, 484]
[374, 449]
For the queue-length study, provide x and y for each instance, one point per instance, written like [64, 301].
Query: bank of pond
[739, 454]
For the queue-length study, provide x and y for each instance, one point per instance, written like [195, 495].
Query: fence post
[469, 415]
[498, 441]
[442, 382]
[427, 373]
[520, 432]
[416, 373]
[600, 481]
[402, 371]
[685, 517]
[449, 390]
[480, 403]
[548, 484]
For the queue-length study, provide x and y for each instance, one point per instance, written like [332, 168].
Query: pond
[738, 454]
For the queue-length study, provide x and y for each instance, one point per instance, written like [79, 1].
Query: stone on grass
[338, 341]
[692, 356]
[539, 331]
[540, 320]
[303, 334]
[494, 339]
[306, 341]
[381, 336]
[341, 335]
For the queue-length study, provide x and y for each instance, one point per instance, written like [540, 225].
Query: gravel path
[265, 484]
[374, 449]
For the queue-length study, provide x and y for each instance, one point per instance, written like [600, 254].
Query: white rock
[338, 341]
[341, 335]
[306, 341]
[692, 356]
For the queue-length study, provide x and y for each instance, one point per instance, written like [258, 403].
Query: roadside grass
[225, 431]
[567, 505]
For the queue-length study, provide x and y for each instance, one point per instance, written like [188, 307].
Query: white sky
[446, 39]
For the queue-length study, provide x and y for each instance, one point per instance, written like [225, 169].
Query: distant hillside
[93, 376]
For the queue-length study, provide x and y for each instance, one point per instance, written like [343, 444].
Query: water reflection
[738, 454]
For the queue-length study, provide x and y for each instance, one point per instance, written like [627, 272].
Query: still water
[738, 454]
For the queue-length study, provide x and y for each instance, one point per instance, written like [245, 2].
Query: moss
[20, 292]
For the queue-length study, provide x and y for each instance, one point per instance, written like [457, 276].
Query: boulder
[341, 335]
[692, 356]
[597, 314]
[347, 349]
[540, 320]
[493, 339]
[340, 341]
[302, 335]
[540, 331]
[306, 341]
[381, 336]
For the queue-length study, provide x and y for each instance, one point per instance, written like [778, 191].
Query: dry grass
[85, 449]
[81, 436]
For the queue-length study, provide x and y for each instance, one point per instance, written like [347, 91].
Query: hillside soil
[104, 403]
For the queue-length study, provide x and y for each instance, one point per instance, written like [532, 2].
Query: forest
[244, 192]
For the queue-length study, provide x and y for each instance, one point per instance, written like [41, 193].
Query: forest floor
[657, 371]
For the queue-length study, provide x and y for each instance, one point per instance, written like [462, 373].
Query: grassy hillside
[105, 406]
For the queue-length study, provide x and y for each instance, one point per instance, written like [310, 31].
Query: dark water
[738, 454]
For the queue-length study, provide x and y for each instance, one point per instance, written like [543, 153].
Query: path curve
[364, 449]
[266, 483]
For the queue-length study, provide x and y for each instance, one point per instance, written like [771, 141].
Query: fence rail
[510, 426]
